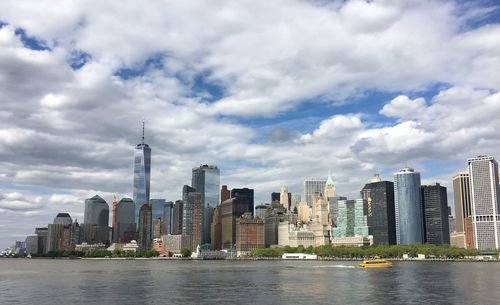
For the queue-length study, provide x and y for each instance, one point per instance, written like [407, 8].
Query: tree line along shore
[325, 252]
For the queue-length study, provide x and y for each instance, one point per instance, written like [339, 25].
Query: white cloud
[71, 132]
[404, 108]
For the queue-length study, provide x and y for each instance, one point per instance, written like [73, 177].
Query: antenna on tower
[143, 132]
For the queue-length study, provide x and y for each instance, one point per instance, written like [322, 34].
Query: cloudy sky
[273, 92]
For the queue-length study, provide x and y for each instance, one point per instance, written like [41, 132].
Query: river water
[47, 281]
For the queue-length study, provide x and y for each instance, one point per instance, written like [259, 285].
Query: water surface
[107, 282]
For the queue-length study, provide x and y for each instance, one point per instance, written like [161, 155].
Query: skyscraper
[463, 237]
[232, 209]
[330, 191]
[167, 217]
[206, 181]
[125, 221]
[145, 226]
[177, 215]
[187, 210]
[312, 186]
[142, 172]
[352, 225]
[225, 194]
[285, 197]
[408, 206]
[435, 212]
[96, 211]
[483, 173]
[246, 195]
[157, 206]
[379, 208]
[321, 224]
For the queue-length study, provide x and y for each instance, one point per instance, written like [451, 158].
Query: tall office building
[483, 173]
[63, 218]
[42, 239]
[249, 234]
[352, 220]
[142, 173]
[312, 186]
[285, 197]
[321, 224]
[225, 193]
[463, 235]
[216, 229]
[330, 190]
[435, 212]
[145, 226]
[63, 234]
[167, 217]
[125, 228]
[232, 209]
[157, 206]
[206, 181]
[196, 220]
[245, 194]
[379, 208]
[352, 224]
[96, 211]
[408, 206]
[187, 209]
[177, 215]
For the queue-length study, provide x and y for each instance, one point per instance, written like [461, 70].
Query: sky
[273, 92]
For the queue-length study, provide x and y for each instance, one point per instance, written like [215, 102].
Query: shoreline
[443, 260]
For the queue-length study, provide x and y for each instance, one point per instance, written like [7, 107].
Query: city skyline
[271, 102]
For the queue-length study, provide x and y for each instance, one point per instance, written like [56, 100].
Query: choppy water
[40, 281]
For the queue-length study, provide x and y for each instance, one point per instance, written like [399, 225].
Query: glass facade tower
[142, 172]
[206, 181]
[409, 219]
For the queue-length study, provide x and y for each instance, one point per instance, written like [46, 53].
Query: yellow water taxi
[375, 263]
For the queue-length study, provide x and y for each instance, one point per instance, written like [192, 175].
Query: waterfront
[45, 281]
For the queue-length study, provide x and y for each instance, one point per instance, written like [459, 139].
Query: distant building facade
[378, 206]
[206, 181]
[145, 225]
[435, 211]
[408, 206]
[125, 226]
[483, 173]
[249, 234]
[312, 186]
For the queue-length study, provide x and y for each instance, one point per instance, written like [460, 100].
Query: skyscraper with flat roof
[463, 237]
[145, 226]
[142, 173]
[435, 212]
[379, 209]
[125, 221]
[409, 219]
[206, 181]
[312, 186]
[483, 173]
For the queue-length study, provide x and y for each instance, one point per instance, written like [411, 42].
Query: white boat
[299, 256]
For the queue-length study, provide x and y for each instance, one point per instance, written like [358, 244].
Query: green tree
[186, 252]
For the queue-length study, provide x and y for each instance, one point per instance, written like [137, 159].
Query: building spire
[143, 132]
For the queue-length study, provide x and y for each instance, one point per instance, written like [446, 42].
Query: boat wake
[334, 266]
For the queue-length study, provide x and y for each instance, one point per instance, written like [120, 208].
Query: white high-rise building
[483, 173]
[284, 200]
